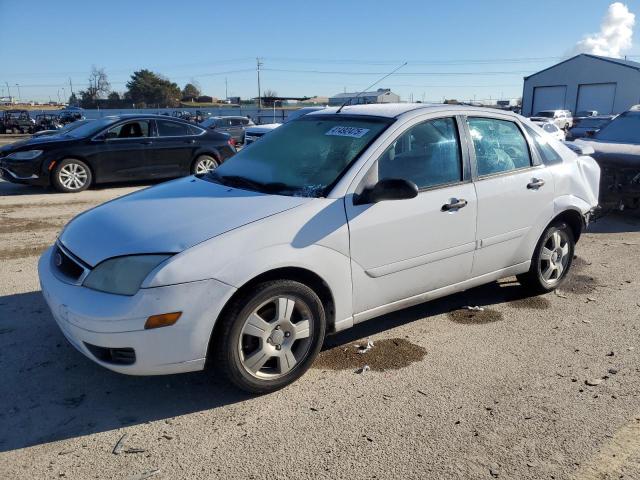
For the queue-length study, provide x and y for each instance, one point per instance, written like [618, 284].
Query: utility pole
[226, 89]
[19, 96]
[8, 90]
[258, 65]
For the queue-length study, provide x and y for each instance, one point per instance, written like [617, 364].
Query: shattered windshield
[302, 158]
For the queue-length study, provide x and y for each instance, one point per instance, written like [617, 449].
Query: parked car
[562, 118]
[585, 114]
[47, 121]
[254, 133]
[17, 121]
[231, 125]
[376, 208]
[587, 126]
[115, 149]
[71, 115]
[617, 151]
[552, 129]
[61, 131]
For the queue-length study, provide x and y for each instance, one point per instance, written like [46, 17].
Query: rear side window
[172, 129]
[427, 154]
[236, 122]
[548, 155]
[499, 145]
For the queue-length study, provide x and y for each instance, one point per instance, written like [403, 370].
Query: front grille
[66, 265]
[117, 356]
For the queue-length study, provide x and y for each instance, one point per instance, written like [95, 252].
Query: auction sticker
[354, 132]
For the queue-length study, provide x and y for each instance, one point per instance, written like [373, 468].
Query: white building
[584, 82]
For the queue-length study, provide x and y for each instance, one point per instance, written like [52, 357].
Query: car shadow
[52, 392]
[617, 222]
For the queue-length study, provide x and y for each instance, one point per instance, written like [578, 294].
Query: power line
[343, 72]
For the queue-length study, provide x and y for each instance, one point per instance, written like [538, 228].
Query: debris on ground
[560, 294]
[135, 450]
[590, 299]
[586, 321]
[366, 368]
[367, 347]
[475, 308]
[613, 371]
[120, 444]
[493, 470]
[422, 393]
[143, 475]
[610, 354]
[594, 382]
[388, 354]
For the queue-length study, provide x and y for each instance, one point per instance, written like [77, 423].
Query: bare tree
[268, 93]
[98, 84]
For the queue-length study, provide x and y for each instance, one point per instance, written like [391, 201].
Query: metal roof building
[382, 95]
[584, 82]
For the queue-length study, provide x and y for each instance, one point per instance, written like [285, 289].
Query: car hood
[167, 218]
[612, 153]
[36, 141]
[262, 128]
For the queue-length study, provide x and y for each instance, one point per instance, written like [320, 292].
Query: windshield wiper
[238, 181]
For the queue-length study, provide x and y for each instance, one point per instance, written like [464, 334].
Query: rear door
[123, 154]
[515, 193]
[172, 150]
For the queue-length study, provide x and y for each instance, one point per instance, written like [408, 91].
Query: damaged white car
[335, 218]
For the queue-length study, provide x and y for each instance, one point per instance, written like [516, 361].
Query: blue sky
[455, 48]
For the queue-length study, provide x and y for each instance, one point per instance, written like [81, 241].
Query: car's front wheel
[269, 336]
[204, 164]
[71, 175]
[551, 260]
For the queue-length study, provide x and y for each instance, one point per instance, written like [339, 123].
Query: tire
[269, 336]
[204, 164]
[551, 259]
[71, 176]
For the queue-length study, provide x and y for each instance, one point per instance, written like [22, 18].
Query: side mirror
[387, 189]
[580, 149]
[590, 133]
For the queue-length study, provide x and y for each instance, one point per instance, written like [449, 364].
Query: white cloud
[615, 36]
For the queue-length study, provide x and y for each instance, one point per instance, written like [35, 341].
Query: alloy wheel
[205, 165]
[73, 176]
[554, 257]
[276, 337]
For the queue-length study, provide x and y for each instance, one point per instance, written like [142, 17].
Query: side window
[499, 145]
[427, 154]
[236, 122]
[133, 129]
[193, 130]
[172, 129]
[547, 153]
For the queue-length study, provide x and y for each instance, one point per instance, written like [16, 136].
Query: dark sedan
[115, 149]
[587, 126]
[617, 151]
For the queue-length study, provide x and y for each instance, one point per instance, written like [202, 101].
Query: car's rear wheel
[204, 164]
[71, 175]
[551, 260]
[269, 336]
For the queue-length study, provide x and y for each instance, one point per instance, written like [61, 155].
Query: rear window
[548, 155]
[172, 129]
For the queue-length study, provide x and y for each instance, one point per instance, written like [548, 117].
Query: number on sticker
[354, 132]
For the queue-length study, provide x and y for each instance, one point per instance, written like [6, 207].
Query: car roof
[133, 116]
[229, 116]
[394, 110]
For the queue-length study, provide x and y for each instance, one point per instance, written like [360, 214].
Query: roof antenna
[348, 102]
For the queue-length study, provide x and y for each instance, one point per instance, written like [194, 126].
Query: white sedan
[333, 219]
[552, 129]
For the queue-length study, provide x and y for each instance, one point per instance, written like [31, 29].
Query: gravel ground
[450, 393]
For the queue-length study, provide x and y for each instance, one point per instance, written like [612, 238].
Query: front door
[123, 155]
[172, 150]
[402, 248]
[515, 194]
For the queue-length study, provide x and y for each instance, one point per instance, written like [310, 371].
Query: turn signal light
[163, 320]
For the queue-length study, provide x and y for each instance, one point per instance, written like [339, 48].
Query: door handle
[146, 142]
[454, 204]
[535, 183]
[190, 141]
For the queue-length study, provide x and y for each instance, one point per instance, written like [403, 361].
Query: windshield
[624, 129]
[302, 158]
[91, 127]
[545, 114]
[592, 122]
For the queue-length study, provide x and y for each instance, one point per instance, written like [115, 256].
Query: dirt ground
[450, 393]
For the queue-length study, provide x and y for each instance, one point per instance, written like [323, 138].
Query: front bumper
[90, 319]
[23, 171]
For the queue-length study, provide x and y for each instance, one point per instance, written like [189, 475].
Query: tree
[73, 100]
[114, 96]
[269, 93]
[149, 88]
[98, 87]
[190, 90]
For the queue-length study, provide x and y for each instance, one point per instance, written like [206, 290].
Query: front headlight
[25, 155]
[123, 275]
